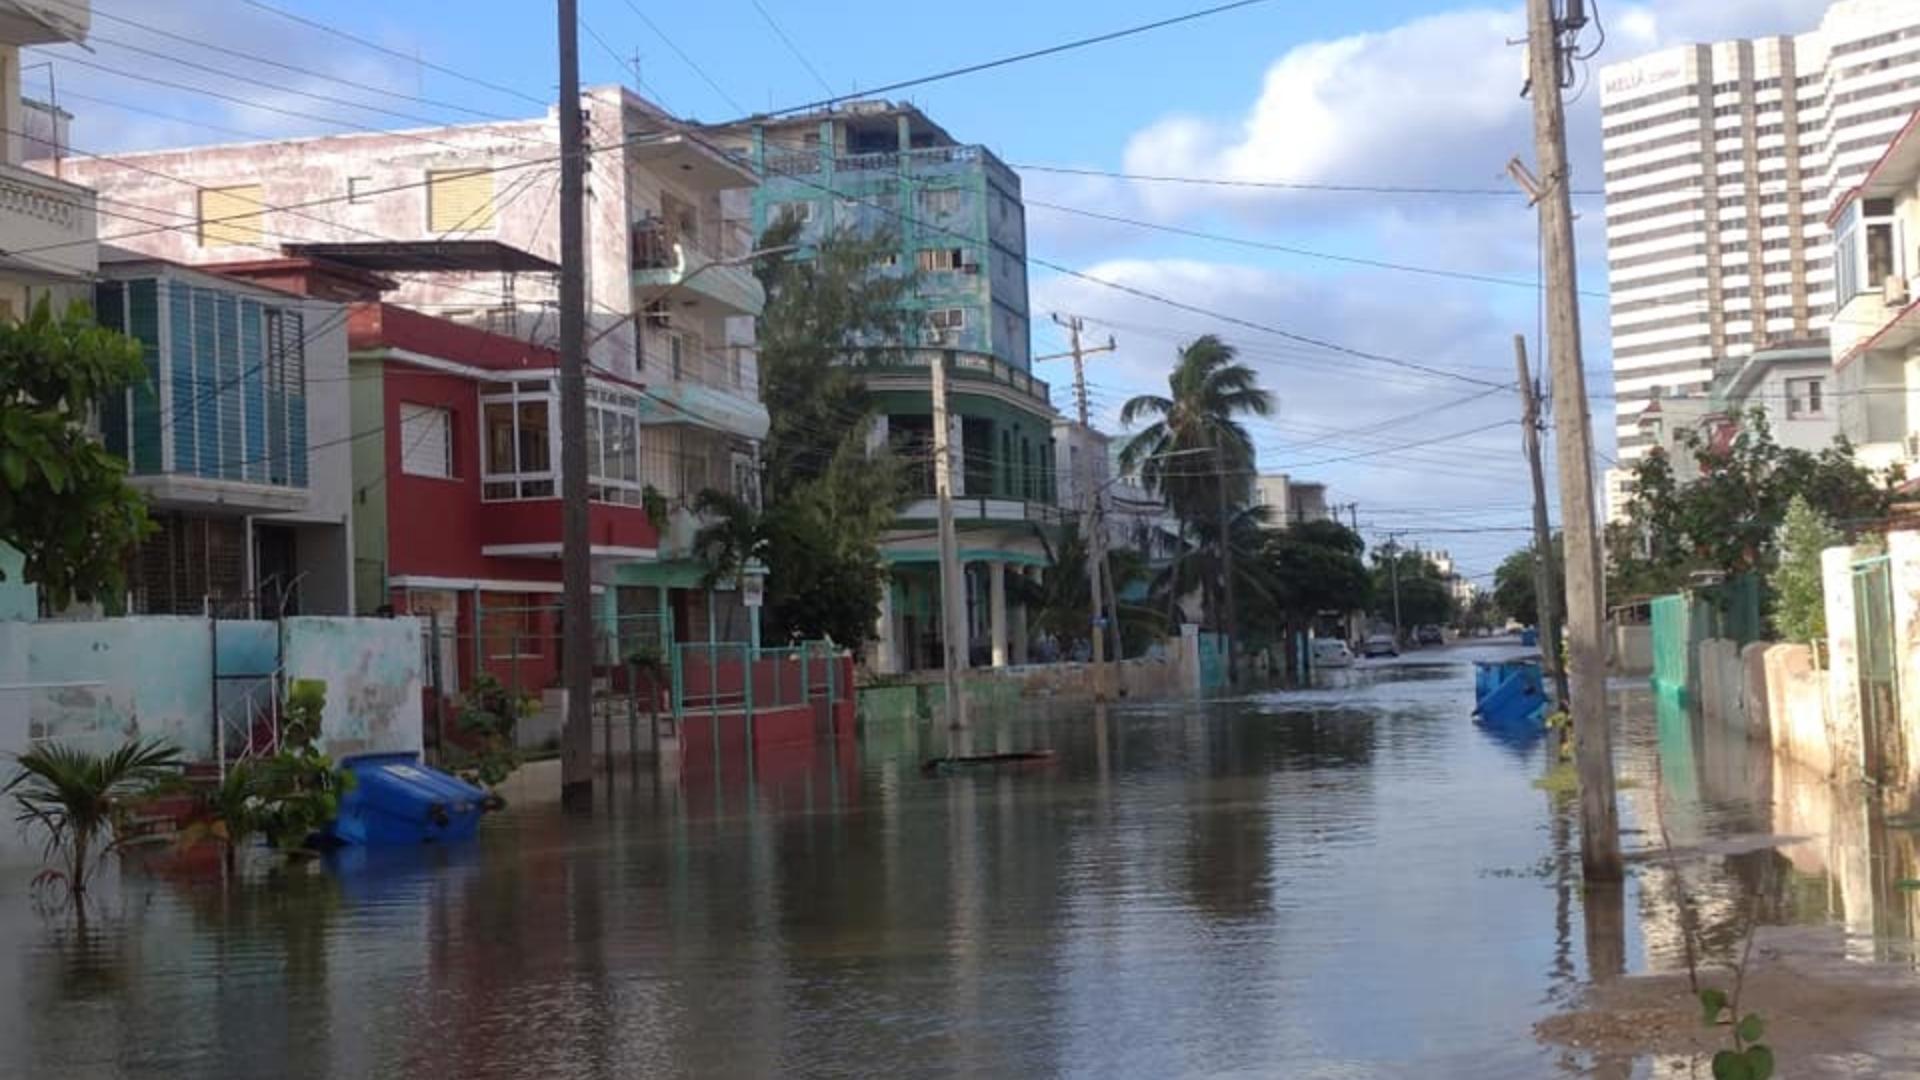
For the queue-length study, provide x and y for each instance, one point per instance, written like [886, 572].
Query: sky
[1386, 93]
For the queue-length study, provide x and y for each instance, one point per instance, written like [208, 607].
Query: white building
[1289, 501]
[1721, 163]
[1876, 335]
[48, 244]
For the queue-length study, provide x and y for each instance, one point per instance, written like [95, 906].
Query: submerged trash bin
[1509, 694]
[397, 800]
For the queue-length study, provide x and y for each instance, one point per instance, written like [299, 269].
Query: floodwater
[1352, 881]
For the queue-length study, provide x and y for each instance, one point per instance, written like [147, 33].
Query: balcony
[924, 161]
[970, 372]
[50, 221]
[986, 509]
[671, 267]
[44, 23]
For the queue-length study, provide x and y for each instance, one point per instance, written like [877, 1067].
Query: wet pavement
[1350, 881]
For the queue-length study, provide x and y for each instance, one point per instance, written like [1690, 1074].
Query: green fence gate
[1884, 748]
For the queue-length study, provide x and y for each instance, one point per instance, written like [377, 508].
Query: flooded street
[1352, 881]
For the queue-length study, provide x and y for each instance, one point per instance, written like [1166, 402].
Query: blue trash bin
[397, 800]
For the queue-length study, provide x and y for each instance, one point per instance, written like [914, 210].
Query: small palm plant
[82, 800]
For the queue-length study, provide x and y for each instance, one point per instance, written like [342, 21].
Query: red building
[457, 506]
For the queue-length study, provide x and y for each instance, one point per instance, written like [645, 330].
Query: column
[1845, 739]
[883, 657]
[1019, 628]
[997, 611]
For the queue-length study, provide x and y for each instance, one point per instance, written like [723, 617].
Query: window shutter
[231, 215]
[426, 444]
[459, 200]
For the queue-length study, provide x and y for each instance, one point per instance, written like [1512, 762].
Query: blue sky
[1388, 92]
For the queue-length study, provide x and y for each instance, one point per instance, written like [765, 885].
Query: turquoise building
[956, 214]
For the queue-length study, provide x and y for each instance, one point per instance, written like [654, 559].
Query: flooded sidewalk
[1348, 881]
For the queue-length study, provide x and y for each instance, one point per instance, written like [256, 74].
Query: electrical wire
[774, 25]
[688, 60]
[428, 64]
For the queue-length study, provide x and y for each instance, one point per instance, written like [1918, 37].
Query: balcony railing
[970, 366]
[666, 257]
[51, 218]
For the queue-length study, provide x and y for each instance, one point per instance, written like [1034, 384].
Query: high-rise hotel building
[1721, 162]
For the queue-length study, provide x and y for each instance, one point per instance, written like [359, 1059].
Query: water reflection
[1351, 880]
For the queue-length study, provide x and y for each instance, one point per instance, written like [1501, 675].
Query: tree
[828, 499]
[64, 501]
[1315, 567]
[1195, 453]
[1728, 520]
[1800, 599]
[1424, 597]
[81, 800]
[1514, 592]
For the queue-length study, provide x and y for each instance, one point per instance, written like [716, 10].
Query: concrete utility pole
[953, 592]
[1092, 527]
[1393, 575]
[1543, 581]
[576, 557]
[1587, 681]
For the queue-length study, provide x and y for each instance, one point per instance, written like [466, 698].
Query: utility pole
[1393, 575]
[1543, 583]
[1093, 529]
[1587, 685]
[576, 559]
[953, 593]
[1228, 617]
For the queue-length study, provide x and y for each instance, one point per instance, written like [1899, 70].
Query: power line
[688, 60]
[1530, 286]
[430, 65]
[1287, 185]
[987, 65]
[774, 25]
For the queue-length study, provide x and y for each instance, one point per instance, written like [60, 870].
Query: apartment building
[955, 215]
[1876, 334]
[461, 223]
[1722, 161]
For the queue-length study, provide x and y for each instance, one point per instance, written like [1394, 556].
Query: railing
[969, 365]
[660, 244]
[732, 369]
[805, 162]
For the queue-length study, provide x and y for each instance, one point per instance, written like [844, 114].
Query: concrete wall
[1632, 652]
[102, 681]
[1722, 683]
[1797, 708]
[1843, 665]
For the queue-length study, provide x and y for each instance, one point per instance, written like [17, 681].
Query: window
[519, 441]
[459, 200]
[932, 259]
[359, 190]
[800, 211]
[1864, 250]
[426, 440]
[939, 200]
[231, 215]
[945, 324]
[888, 261]
[613, 447]
[1806, 398]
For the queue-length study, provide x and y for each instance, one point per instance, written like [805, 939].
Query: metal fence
[1730, 610]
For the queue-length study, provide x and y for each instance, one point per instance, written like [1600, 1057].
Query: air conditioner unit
[1913, 445]
[942, 337]
[1894, 290]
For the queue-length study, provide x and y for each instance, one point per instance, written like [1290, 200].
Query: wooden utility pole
[576, 559]
[953, 591]
[1586, 675]
[1092, 528]
[1543, 577]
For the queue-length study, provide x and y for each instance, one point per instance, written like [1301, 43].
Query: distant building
[1721, 162]
[1291, 502]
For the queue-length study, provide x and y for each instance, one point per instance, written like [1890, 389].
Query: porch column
[997, 611]
[883, 657]
[1018, 631]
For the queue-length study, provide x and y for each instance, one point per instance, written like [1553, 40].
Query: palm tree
[82, 800]
[1196, 454]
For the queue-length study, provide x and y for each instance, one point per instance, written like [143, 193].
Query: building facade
[1876, 334]
[1721, 162]
[462, 222]
[955, 215]
[1290, 501]
[239, 438]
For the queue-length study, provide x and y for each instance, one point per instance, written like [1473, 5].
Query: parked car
[1331, 653]
[1430, 635]
[1380, 645]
